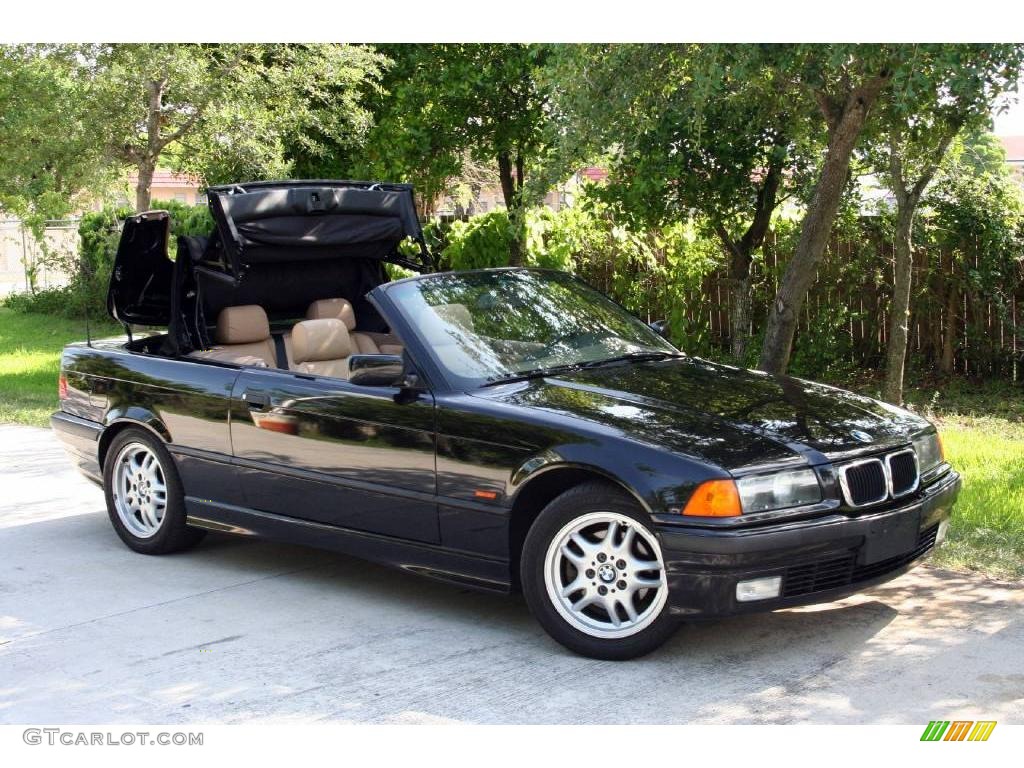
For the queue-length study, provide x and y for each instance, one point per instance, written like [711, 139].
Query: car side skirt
[488, 573]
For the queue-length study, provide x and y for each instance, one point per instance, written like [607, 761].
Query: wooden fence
[954, 327]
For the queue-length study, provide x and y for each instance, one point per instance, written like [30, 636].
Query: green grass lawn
[30, 347]
[987, 531]
[982, 428]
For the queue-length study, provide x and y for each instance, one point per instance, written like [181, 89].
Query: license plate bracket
[889, 537]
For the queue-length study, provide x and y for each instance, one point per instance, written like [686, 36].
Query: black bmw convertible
[507, 429]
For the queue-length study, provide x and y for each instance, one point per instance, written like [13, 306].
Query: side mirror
[660, 327]
[377, 370]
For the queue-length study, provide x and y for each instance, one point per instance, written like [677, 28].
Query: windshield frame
[383, 298]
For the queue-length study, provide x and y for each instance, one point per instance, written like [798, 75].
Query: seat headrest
[242, 325]
[337, 309]
[455, 313]
[317, 340]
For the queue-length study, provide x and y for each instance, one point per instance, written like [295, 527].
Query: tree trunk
[907, 199]
[949, 337]
[510, 192]
[739, 291]
[845, 126]
[143, 185]
[739, 316]
[147, 159]
[896, 353]
[936, 286]
[741, 258]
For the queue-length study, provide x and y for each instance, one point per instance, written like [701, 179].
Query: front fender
[661, 481]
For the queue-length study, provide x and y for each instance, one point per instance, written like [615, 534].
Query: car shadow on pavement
[242, 629]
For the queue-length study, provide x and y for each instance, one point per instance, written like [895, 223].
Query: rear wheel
[144, 495]
[593, 575]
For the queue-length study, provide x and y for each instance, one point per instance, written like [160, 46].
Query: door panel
[325, 450]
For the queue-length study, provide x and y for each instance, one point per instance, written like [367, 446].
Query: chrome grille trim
[888, 472]
[886, 466]
[845, 485]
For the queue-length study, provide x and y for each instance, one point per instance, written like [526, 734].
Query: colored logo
[958, 730]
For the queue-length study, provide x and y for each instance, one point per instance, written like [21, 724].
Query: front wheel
[594, 577]
[144, 495]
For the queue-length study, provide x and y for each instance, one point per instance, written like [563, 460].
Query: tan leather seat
[243, 338]
[321, 347]
[363, 342]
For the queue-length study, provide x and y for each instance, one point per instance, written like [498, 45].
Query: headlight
[779, 490]
[929, 451]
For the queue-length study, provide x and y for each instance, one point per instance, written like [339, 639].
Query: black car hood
[725, 415]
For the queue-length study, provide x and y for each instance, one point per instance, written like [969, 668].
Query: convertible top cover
[279, 244]
[282, 221]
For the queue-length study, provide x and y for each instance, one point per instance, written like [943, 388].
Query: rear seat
[243, 338]
[321, 348]
[363, 342]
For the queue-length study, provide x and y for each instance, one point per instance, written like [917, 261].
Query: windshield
[489, 326]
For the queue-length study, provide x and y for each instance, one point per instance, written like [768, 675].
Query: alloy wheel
[139, 490]
[605, 575]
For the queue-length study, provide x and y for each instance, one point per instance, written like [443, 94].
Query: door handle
[257, 401]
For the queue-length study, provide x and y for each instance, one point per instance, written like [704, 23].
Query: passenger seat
[243, 338]
[321, 348]
[363, 342]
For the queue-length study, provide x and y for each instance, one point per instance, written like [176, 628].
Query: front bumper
[818, 560]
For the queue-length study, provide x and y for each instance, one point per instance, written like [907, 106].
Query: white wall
[17, 245]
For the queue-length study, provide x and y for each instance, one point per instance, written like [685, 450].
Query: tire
[145, 500]
[568, 545]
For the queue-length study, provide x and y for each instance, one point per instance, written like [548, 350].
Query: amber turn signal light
[714, 498]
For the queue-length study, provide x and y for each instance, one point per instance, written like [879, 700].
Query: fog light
[940, 535]
[758, 589]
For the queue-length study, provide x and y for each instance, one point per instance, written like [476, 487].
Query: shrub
[48, 301]
[99, 234]
[480, 242]
[649, 271]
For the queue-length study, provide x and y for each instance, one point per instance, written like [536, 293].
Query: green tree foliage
[648, 270]
[948, 88]
[47, 155]
[974, 232]
[442, 103]
[221, 111]
[701, 130]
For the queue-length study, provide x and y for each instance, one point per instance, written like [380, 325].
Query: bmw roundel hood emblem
[861, 436]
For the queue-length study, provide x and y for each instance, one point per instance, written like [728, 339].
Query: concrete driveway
[240, 630]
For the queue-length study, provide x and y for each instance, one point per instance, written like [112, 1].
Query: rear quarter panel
[185, 402]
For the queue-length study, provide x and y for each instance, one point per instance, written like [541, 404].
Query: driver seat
[363, 342]
[321, 348]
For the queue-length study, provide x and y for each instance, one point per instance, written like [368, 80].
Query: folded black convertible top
[282, 221]
[279, 244]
